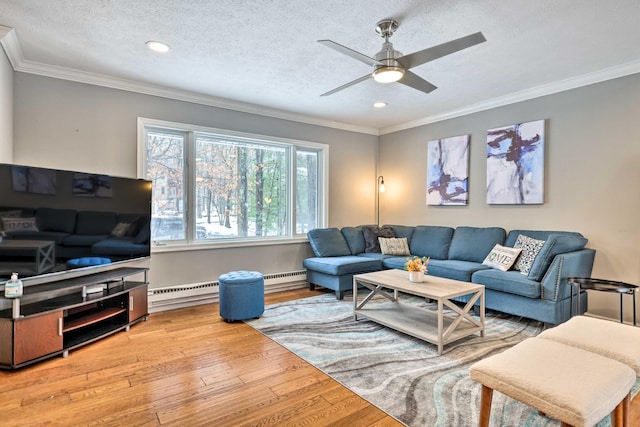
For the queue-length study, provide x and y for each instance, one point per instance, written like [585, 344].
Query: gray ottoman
[241, 295]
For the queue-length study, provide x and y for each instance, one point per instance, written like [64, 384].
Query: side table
[601, 285]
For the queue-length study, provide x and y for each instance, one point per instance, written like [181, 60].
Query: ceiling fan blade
[349, 52]
[413, 80]
[429, 54]
[346, 85]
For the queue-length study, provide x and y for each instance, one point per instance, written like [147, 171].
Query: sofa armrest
[555, 286]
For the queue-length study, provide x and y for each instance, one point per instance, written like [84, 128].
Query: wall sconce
[380, 190]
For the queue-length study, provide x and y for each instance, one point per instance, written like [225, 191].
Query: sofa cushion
[501, 258]
[535, 234]
[474, 243]
[328, 242]
[135, 225]
[88, 222]
[120, 246]
[431, 241]
[371, 235]
[61, 220]
[338, 266]
[530, 248]
[143, 236]
[354, 238]
[53, 236]
[402, 230]
[453, 269]
[507, 281]
[396, 262]
[554, 245]
[394, 246]
[374, 255]
[83, 239]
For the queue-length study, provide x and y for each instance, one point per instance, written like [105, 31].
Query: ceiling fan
[389, 65]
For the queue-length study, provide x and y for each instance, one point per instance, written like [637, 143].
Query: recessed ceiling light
[379, 104]
[158, 46]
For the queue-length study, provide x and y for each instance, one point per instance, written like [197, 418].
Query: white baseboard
[188, 295]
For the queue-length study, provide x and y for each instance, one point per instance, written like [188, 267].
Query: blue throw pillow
[328, 242]
[371, 235]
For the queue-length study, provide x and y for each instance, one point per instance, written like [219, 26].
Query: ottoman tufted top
[240, 277]
[88, 261]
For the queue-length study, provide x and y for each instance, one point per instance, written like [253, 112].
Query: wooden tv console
[55, 317]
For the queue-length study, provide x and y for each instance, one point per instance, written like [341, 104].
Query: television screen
[55, 220]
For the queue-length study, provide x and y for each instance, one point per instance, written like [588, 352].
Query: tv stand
[54, 318]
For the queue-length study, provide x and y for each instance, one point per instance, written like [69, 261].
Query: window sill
[179, 247]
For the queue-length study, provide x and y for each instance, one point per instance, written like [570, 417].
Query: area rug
[399, 374]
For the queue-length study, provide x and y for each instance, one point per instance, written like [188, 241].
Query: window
[211, 185]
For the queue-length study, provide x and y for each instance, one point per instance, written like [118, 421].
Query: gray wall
[68, 125]
[6, 109]
[592, 177]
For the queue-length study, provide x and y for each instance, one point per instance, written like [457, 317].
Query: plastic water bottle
[13, 288]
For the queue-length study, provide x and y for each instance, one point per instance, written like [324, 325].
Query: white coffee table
[434, 327]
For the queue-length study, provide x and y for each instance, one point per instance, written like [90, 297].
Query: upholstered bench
[610, 339]
[241, 295]
[575, 386]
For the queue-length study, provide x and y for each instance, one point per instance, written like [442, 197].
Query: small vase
[416, 276]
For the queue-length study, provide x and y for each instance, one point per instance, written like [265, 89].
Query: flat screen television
[53, 221]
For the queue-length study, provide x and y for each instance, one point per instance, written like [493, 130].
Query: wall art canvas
[91, 185]
[33, 180]
[515, 164]
[448, 171]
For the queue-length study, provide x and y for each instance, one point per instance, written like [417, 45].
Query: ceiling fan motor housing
[388, 66]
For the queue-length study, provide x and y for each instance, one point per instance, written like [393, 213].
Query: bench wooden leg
[485, 406]
[311, 286]
[620, 415]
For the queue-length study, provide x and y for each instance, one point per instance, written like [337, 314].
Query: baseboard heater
[179, 296]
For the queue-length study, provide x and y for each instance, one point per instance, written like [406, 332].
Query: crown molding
[10, 43]
[524, 95]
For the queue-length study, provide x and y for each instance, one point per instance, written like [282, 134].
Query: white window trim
[323, 172]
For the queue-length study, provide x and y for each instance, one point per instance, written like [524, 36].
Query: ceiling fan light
[388, 74]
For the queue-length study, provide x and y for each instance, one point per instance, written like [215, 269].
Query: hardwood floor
[182, 367]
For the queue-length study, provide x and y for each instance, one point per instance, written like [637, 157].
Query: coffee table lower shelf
[415, 321]
[448, 323]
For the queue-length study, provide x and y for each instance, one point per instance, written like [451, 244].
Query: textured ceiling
[264, 53]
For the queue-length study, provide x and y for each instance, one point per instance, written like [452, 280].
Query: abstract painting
[91, 185]
[515, 164]
[33, 180]
[448, 171]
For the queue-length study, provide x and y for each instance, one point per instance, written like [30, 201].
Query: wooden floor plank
[184, 367]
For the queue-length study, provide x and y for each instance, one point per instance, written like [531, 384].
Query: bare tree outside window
[238, 189]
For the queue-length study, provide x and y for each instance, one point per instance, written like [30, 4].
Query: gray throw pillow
[371, 234]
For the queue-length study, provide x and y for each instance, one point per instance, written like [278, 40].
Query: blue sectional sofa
[542, 294]
[83, 233]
